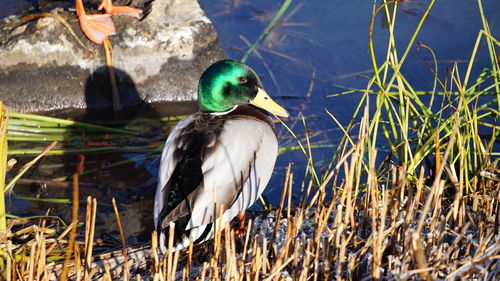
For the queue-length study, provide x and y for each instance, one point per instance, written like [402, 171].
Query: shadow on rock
[99, 97]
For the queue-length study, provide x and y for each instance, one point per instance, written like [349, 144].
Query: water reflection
[132, 182]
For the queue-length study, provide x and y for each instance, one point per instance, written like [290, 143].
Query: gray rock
[158, 58]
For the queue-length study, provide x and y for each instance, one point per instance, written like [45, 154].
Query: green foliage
[417, 126]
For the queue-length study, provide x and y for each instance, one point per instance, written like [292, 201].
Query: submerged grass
[427, 210]
[31, 130]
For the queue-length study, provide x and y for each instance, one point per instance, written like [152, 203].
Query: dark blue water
[9, 7]
[320, 48]
[12, 7]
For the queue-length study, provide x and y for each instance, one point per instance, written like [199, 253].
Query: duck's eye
[242, 79]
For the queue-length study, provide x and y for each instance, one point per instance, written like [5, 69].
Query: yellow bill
[264, 101]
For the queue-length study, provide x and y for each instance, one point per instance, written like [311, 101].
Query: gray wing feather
[167, 165]
[227, 171]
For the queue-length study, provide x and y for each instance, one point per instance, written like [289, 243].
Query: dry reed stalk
[154, 253]
[203, 271]
[23, 264]
[107, 274]
[289, 240]
[170, 249]
[31, 264]
[173, 270]
[290, 192]
[9, 267]
[419, 256]
[231, 254]
[278, 269]
[74, 222]
[78, 262]
[89, 236]
[305, 195]
[483, 244]
[228, 261]
[122, 238]
[189, 259]
[117, 105]
[41, 254]
[33, 229]
[247, 238]
[288, 177]
[238, 265]
[256, 264]
[184, 275]
[264, 256]
[26, 166]
[305, 270]
[60, 237]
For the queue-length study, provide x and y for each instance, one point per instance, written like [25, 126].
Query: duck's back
[223, 159]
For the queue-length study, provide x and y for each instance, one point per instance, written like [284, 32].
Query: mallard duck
[219, 159]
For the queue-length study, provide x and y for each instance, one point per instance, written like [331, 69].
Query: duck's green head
[228, 83]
